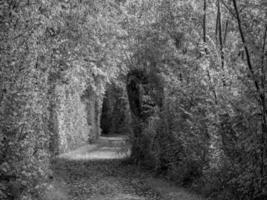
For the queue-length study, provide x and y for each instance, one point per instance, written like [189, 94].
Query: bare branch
[228, 8]
[204, 21]
[246, 48]
[225, 31]
[262, 56]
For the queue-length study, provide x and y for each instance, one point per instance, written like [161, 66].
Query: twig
[246, 48]
[262, 57]
[229, 9]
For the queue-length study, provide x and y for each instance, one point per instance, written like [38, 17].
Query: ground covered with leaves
[108, 180]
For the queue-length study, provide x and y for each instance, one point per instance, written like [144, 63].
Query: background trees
[211, 55]
[42, 44]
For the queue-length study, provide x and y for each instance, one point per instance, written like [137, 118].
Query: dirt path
[107, 179]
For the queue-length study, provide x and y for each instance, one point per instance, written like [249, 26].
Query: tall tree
[260, 88]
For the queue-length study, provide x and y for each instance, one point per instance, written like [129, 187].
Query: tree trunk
[221, 39]
[260, 92]
[204, 21]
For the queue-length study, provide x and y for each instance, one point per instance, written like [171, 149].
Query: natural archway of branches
[183, 84]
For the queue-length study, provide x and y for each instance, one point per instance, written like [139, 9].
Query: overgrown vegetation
[211, 131]
[45, 44]
[206, 128]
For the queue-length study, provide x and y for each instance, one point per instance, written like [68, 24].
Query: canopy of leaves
[211, 55]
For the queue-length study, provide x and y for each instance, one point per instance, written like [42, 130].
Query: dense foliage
[210, 132]
[45, 44]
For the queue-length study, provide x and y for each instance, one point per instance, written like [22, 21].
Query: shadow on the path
[98, 172]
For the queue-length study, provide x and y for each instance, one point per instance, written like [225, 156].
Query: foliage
[210, 132]
[42, 43]
[215, 92]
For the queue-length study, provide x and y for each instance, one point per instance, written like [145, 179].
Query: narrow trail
[97, 172]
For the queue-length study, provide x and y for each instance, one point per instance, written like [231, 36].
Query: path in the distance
[97, 172]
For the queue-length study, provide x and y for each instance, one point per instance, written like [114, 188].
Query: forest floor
[98, 172]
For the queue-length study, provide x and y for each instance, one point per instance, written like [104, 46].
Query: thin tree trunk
[246, 48]
[221, 39]
[260, 92]
[264, 114]
[225, 31]
[262, 57]
[204, 21]
[216, 28]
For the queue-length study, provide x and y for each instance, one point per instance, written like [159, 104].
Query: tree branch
[225, 31]
[220, 39]
[204, 21]
[262, 58]
[246, 48]
[229, 9]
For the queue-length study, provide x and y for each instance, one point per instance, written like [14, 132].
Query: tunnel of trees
[186, 80]
[115, 116]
